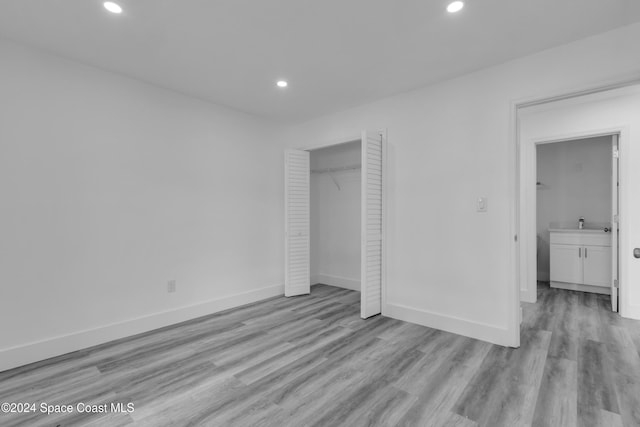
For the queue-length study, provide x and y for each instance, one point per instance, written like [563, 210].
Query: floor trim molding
[632, 312]
[40, 350]
[456, 325]
[337, 281]
[526, 296]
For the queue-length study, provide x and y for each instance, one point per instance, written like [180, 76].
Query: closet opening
[336, 175]
[334, 219]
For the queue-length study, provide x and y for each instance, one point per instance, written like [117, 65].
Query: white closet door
[297, 280]
[372, 211]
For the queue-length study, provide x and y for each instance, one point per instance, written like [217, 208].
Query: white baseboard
[28, 353]
[456, 325]
[341, 282]
[632, 312]
[529, 297]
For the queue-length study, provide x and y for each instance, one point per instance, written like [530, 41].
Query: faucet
[581, 223]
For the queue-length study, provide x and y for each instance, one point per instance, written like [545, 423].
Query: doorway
[576, 211]
[298, 233]
[607, 110]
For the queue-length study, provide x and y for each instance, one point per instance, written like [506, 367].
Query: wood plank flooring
[311, 361]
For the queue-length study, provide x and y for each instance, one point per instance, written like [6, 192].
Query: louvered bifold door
[372, 211]
[297, 280]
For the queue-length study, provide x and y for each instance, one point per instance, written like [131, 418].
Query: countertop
[575, 230]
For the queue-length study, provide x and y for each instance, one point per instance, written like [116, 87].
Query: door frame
[385, 173]
[529, 199]
[514, 313]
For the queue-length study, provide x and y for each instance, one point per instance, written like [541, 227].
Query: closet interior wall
[335, 215]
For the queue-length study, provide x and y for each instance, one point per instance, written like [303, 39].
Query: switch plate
[171, 286]
[481, 204]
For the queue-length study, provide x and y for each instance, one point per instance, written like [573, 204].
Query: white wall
[448, 266]
[617, 110]
[335, 217]
[110, 188]
[575, 178]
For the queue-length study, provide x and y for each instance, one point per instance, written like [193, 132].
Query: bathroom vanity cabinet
[581, 260]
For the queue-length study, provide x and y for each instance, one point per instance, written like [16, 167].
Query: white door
[566, 263]
[297, 280]
[614, 224]
[597, 265]
[372, 249]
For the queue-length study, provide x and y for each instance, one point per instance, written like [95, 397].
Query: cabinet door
[566, 263]
[597, 265]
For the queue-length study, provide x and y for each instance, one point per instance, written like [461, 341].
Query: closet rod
[337, 169]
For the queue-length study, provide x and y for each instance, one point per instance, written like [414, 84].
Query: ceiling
[335, 53]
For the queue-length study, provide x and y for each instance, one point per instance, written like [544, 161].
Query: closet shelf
[337, 169]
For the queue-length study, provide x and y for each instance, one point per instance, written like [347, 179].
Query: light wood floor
[311, 361]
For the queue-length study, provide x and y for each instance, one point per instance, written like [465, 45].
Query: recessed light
[112, 7]
[282, 83]
[454, 7]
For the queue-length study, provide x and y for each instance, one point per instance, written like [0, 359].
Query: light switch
[481, 205]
